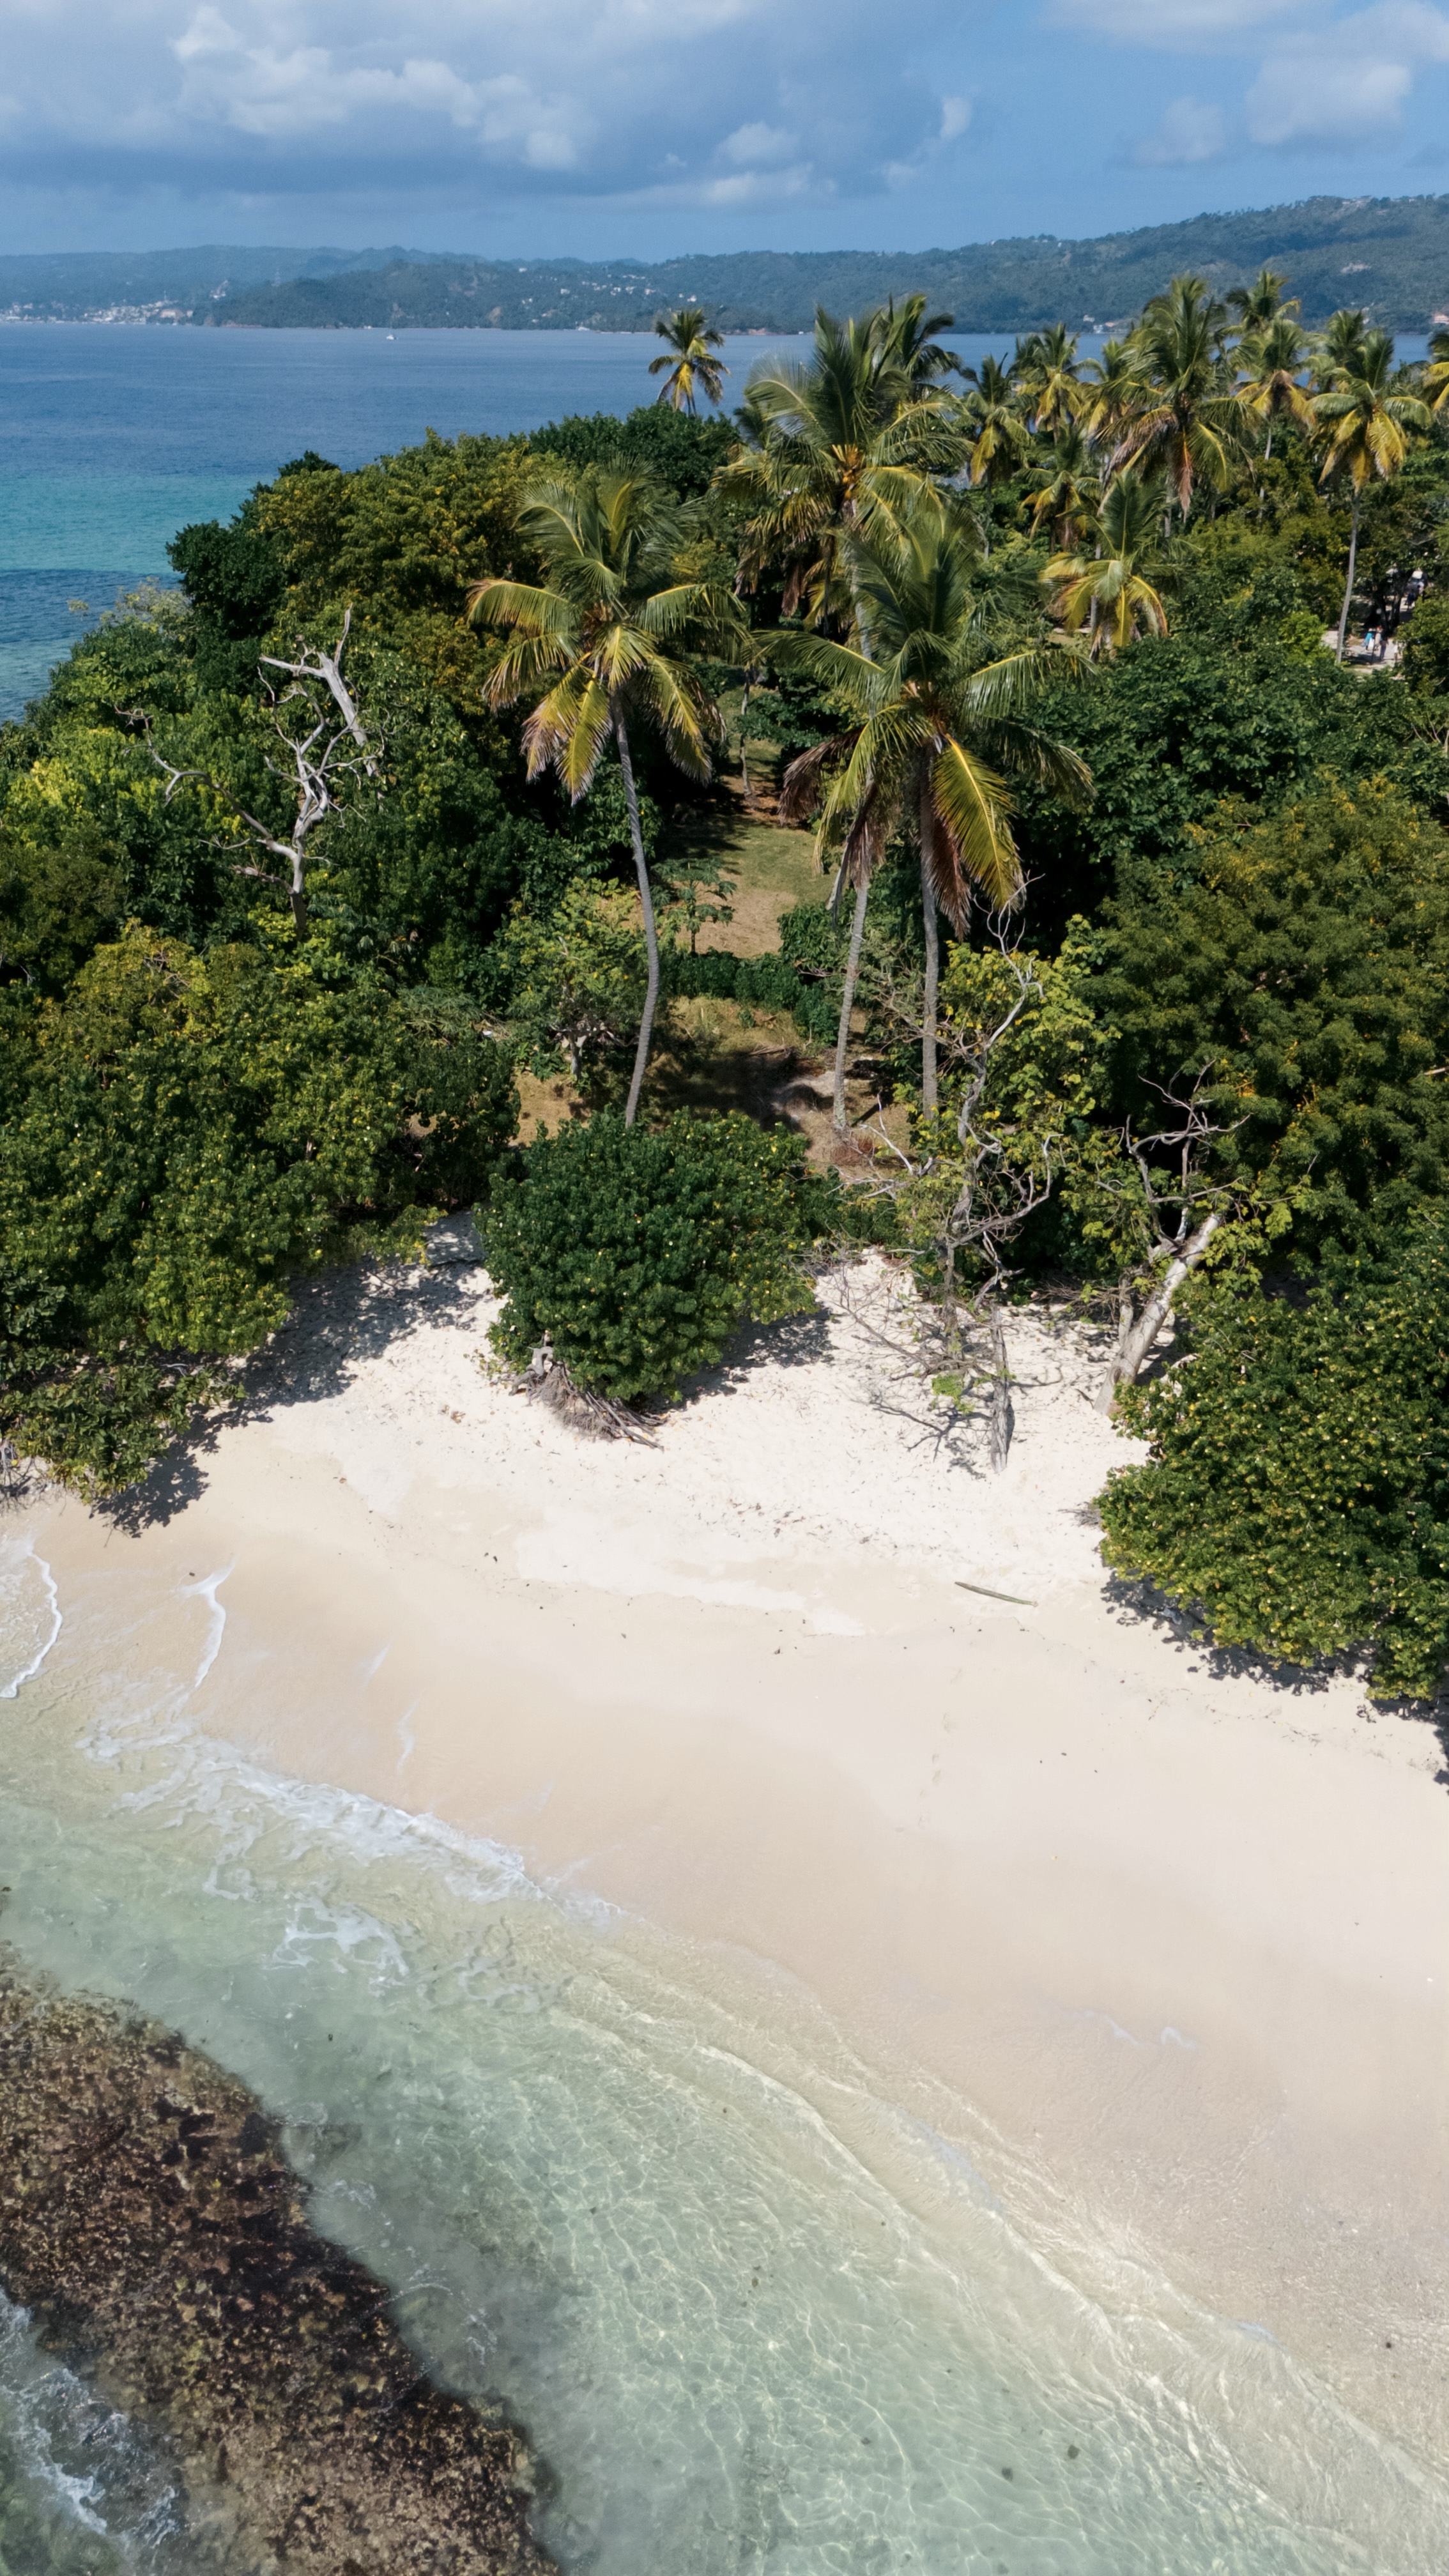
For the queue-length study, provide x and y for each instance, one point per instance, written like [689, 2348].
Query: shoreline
[1171, 1934]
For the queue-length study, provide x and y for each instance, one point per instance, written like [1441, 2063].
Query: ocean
[751, 2316]
[113, 437]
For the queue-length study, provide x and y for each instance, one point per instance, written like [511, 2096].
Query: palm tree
[1339, 346]
[1059, 494]
[689, 358]
[1273, 362]
[990, 415]
[1113, 593]
[1260, 305]
[1050, 379]
[1368, 426]
[934, 729]
[1113, 389]
[907, 332]
[1436, 374]
[606, 638]
[829, 447]
[1191, 422]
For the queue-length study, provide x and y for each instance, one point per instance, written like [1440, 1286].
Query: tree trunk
[930, 1099]
[1000, 1419]
[1134, 1347]
[651, 933]
[1348, 585]
[847, 1003]
[299, 895]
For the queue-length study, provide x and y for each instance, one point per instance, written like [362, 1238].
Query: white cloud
[1190, 130]
[757, 145]
[1351, 78]
[614, 97]
[1176, 26]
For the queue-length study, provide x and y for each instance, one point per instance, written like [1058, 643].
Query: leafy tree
[1426, 647]
[236, 581]
[180, 1136]
[574, 983]
[690, 359]
[1304, 971]
[1297, 1494]
[609, 631]
[637, 1254]
[672, 446]
[58, 901]
[908, 332]
[1050, 380]
[1367, 423]
[1436, 373]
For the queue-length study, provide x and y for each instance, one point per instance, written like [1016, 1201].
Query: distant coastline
[1388, 254]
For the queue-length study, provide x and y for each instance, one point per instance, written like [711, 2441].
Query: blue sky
[606, 128]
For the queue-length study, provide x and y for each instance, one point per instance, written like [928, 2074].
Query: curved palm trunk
[930, 1096]
[847, 1004]
[1348, 585]
[651, 932]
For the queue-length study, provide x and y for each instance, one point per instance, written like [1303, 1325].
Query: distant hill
[1388, 253]
[97, 285]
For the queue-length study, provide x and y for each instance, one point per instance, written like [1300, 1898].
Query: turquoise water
[752, 2316]
[112, 438]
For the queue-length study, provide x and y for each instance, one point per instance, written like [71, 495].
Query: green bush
[638, 1253]
[1297, 1495]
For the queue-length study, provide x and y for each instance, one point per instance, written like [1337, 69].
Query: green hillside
[1389, 254]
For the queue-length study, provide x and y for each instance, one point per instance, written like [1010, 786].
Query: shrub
[1298, 1489]
[638, 1252]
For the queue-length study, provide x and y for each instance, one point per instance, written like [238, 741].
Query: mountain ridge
[1390, 254]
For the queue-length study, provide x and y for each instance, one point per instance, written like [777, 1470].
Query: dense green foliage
[1304, 964]
[1200, 1064]
[1324, 1528]
[638, 1254]
[180, 1137]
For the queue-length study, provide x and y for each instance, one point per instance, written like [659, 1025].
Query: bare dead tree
[324, 748]
[1183, 1208]
[967, 1206]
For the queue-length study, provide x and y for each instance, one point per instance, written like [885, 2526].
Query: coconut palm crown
[829, 448]
[690, 359]
[935, 728]
[607, 639]
[1190, 422]
[1112, 593]
[1367, 422]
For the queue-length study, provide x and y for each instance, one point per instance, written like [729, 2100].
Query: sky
[645, 128]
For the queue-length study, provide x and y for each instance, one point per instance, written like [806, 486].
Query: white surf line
[12, 1688]
[207, 1590]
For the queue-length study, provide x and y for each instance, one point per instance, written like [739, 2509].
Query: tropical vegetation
[1046, 751]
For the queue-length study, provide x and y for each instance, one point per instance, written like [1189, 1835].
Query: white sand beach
[1169, 1936]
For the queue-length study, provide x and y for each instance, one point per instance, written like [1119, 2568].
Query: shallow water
[751, 2316]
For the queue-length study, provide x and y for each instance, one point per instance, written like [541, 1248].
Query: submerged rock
[156, 2234]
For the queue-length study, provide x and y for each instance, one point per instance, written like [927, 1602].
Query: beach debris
[156, 2233]
[987, 1593]
[599, 1417]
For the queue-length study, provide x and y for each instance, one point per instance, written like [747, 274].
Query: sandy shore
[1176, 1933]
